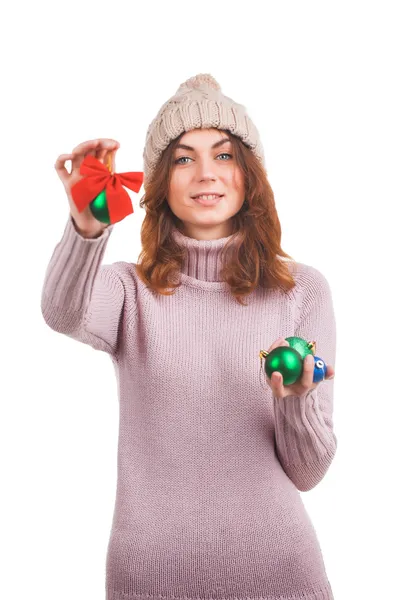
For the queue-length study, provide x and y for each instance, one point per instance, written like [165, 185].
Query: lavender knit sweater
[210, 464]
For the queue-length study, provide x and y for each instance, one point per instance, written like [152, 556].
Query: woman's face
[203, 162]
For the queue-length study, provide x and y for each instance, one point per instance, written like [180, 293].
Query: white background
[320, 80]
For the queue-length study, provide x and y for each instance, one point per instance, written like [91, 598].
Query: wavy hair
[255, 253]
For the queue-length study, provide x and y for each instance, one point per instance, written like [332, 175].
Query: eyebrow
[219, 143]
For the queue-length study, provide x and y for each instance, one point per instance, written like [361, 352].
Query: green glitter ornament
[302, 346]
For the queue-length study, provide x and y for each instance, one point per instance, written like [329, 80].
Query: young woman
[211, 456]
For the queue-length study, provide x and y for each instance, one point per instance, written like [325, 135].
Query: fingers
[276, 384]
[84, 147]
[330, 373]
[111, 149]
[97, 148]
[109, 155]
[60, 166]
[101, 153]
[279, 342]
[105, 148]
[106, 145]
[308, 371]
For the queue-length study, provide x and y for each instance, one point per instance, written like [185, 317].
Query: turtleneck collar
[203, 259]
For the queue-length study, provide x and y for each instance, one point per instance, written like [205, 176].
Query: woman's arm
[304, 437]
[80, 297]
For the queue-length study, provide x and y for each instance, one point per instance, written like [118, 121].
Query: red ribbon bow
[98, 178]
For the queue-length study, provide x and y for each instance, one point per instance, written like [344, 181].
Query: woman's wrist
[89, 234]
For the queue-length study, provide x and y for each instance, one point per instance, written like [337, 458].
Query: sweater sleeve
[80, 297]
[304, 437]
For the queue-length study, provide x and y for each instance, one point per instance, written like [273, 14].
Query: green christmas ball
[99, 208]
[300, 345]
[287, 361]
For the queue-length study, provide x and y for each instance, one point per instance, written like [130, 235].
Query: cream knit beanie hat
[198, 103]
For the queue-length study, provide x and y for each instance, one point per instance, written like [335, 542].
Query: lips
[206, 202]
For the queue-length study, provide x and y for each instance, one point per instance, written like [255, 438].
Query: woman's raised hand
[85, 222]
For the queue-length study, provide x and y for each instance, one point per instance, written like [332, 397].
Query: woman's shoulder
[310, 282]
[120, 269]
[304, 273]
[122, 272]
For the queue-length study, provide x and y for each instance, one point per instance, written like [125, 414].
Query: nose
[205, 170]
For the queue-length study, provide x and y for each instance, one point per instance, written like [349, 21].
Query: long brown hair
[255, 257]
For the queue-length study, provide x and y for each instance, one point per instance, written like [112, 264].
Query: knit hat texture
[197, 104]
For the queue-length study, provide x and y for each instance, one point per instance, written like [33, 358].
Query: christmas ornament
[102, 190]
[320, 369]
[289, 360]
[302, 346]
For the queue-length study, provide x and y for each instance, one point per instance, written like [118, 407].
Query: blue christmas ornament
[320, 370]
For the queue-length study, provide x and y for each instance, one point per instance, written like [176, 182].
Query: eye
[225, 153]
[178, 159]
[181, 157]
[319, 364]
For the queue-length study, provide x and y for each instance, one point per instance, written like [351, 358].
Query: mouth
[208, 200]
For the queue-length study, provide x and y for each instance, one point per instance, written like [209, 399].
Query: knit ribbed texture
[210, 464]
[198, 103]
